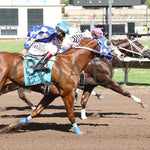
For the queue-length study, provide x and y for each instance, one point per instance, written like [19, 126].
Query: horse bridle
[133, 45]
[110, 56]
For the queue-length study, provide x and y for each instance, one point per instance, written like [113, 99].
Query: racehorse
[129, 47]
[99, 72]
[64, 77]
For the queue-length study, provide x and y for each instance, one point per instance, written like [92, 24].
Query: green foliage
[147, 3]
[66, 15]
[66, 2]
[146, 43]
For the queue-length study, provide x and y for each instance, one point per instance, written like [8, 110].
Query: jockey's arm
[43, 33]
[24, 52]
[66, 44]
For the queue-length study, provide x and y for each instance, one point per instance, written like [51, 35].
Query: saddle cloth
[32, 78]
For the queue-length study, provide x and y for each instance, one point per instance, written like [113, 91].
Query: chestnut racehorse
[99, 72]
[65, 77]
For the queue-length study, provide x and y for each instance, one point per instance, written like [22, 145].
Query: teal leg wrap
[76, 129]
[23, 121]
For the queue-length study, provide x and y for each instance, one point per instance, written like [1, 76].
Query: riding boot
[42, 62]
[81, 82]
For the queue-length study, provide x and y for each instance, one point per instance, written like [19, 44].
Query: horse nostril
[122, 55]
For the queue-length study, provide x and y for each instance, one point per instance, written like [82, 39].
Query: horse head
[132, 47]
[107, 48]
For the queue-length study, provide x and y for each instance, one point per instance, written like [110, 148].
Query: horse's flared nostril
[122, 56]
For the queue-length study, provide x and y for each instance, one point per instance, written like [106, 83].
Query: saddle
[34, 76]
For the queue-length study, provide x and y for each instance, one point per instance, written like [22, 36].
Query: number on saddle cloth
[32, 78]
[106, 46]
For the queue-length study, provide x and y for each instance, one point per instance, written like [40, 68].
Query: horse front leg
[85, 96]
[69, 104]
[113, 85]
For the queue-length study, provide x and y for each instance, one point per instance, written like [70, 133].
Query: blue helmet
[62, 26]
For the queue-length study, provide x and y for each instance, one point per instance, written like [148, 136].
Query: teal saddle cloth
[32, 78]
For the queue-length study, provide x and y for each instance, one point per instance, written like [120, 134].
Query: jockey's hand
[24, 52]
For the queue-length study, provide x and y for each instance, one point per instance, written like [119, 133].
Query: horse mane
[119, 41]
[84, 41]
[72, 48]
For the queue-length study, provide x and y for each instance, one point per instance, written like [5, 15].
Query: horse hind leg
[17, 124]
[22, 96]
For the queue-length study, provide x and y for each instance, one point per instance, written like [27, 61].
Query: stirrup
[46, 88]
[41, 69]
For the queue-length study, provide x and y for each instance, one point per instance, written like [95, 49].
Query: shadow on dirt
[28, 108]
[78, 114]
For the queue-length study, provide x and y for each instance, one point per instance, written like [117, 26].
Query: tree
[147, 3]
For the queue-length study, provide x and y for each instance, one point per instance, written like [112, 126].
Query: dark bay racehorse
[100, 72]
[129, 47]
[71, 62]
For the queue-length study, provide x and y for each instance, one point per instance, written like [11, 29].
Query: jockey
[45, 40]
[74, 40]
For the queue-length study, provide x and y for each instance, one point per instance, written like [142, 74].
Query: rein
[129, 51]
[110, 56]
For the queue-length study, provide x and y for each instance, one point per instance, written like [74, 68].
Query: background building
[17, 16]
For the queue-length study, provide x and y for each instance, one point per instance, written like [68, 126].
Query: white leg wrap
[93, 93]
[83, 114]
[136, 99]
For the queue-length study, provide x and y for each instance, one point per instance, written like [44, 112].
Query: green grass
[11, 46]
[146, 43]
[135, 76]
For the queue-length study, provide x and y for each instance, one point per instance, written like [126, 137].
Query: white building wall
[23, 23]
[51, 13]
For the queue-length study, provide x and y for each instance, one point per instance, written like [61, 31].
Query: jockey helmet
[97, 31]
[63, 27]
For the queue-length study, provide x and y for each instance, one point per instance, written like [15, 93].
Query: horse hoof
[100, 97]
[13, 127]
[83, 118]
[144, 105]
[33, 108]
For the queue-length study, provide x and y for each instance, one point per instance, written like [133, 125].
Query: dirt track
[115, 123]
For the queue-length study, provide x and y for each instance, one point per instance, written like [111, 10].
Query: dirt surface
[115, 123]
